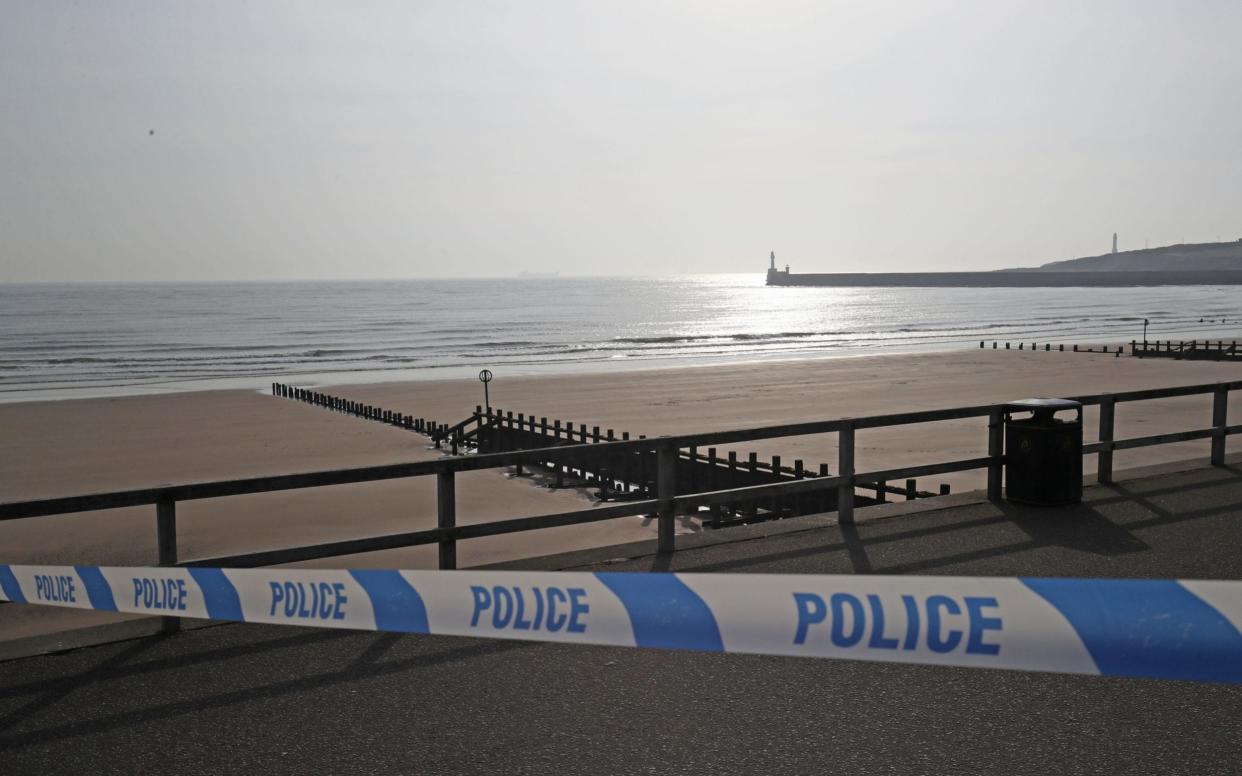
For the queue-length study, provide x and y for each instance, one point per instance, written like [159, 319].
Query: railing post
[166, 547]
[845, 470]
[1104, 474]
[446, 516]
[996, 451]
[1220, 413]
[666, 489]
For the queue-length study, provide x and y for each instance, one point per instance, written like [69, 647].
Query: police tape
[1145, 628]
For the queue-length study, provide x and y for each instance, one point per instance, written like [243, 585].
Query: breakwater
[630, 475]
[1006, 279]
[1188, 350]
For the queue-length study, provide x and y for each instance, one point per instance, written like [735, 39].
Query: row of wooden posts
[358, 409]
[1192, 350]
[1048, 347]
[621, 477]
[633, 475]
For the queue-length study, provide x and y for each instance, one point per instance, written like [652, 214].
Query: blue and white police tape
[1149, 628]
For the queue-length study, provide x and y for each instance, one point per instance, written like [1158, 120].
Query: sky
[321, 140]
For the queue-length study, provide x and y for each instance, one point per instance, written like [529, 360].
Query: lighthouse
[1114, 242]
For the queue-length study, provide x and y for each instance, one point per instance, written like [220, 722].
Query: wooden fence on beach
[1189, 350]
[1194, 350]
[358, 409]
[1060, 347]
[621, 477]
[632, 475]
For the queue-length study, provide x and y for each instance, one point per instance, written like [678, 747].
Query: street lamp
[1144, 332]
[485, 377]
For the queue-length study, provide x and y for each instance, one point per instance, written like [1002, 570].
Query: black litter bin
[1043, 453]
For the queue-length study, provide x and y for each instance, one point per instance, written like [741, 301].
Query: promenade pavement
[252, 698]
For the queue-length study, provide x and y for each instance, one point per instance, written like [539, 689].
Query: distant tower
[772, 271]
[1114, 242]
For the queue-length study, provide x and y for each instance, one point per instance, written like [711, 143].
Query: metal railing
[667, 503]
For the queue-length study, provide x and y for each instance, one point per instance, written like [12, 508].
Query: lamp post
[485, 377]
[1144, 332]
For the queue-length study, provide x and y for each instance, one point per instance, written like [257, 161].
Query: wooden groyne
[1060, 347]
[359, 410]
[622, 476]
[1189, 350]
[1194, 350]
[632, 475]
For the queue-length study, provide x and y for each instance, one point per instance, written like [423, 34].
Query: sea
[84, 340]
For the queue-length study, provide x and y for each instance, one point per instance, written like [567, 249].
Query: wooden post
[166, 547]
[823, 494]
[1220, 412]
[912, 490]
[446, 516]
[560, 467]
[752, 465]
[798, 474]
[881, 491]
[944, 488]
[521, 423]
[731, 479]
[691, 470]
[845, 469]
[996, 452]
[777, 506]
[1104, 472]
[666, 487]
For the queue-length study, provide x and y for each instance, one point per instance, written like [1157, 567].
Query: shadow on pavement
[364, 666]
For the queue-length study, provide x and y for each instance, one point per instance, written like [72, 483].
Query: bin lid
[1043, 404]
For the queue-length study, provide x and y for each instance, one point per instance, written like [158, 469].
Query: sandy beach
[73, 447]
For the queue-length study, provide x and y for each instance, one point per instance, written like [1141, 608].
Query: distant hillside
[1180, 258]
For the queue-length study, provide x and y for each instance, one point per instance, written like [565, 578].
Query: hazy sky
[420, 139]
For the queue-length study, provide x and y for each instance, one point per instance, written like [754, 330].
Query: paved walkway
[244, 698]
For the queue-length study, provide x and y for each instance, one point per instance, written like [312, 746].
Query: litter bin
[1043, 453]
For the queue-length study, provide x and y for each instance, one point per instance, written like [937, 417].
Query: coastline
[59, 448]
